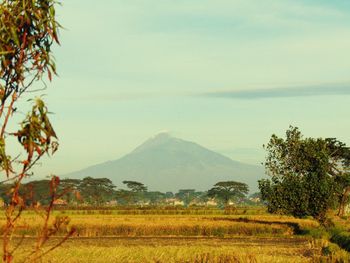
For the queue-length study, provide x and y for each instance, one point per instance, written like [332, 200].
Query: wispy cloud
[304, 91]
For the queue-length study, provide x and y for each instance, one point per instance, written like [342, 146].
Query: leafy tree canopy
[89, 190]
[188, 195]
[135, 186]
[308, 175]
[96, 190]
[228, 190]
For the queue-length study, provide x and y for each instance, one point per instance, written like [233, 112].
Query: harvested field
[103, 237]
[184, 250]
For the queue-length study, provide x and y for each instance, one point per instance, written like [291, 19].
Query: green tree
[135, 186]
[169, 195]
[186, 195]
[228, 191]
[202, 197]
[155, 198]
[124, 197]
[4, 190]
[37, 192]
[70, 188]
[96, 190]
[308, 175]
[135, 193]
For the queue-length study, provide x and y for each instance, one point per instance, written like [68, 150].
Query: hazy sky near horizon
[223, 73]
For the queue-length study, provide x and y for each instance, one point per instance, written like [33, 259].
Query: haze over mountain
[166, 163]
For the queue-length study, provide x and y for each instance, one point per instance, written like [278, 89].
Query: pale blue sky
[223, 73]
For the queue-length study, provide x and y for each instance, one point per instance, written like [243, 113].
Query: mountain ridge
[166, 163]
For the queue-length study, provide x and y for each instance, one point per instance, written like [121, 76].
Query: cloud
[305, 91]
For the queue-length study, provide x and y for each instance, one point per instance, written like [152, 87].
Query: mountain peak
[160, 138]
[161, 135]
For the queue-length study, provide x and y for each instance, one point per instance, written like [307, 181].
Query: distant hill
[166, 163]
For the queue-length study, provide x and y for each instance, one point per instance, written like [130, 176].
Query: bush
[318, 233]
[342, 238]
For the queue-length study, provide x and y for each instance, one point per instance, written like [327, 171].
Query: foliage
[228, 190]
[135, 186]
[28, 29]
[255, 195]
[96, 190]
[187, 195]
[342, 238]
[90, 193]
[305, 174]
[169, 195]
[135, 193]
[154, 198]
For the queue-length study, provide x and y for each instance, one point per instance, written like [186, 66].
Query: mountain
[166, 163]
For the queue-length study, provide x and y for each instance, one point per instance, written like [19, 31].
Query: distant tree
[36, 192]
[135, 193]
[135, 186]
[155, 198]
[4, 190]
[255, 195]
[202, 197]
[169, 195]
[196, 198]
[96, 190]
[124, 197]
[308, 175]
[71, 189]
[228, 191]
[186, 195]
[91, 190]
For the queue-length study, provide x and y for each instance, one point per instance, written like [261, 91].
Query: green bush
[318, 233]
[331, 249]
[342, 238]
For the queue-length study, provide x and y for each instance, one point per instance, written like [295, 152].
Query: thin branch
[57, 245]
[9, 111]
[18, 245]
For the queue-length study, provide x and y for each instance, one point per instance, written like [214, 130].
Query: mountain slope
[166, 163]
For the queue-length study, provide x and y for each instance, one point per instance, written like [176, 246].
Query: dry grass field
[114, 237]
[175, 249]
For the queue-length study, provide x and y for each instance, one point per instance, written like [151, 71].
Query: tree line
[102, 191]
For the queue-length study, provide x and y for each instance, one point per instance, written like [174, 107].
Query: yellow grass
[175, 238]
[171, 251]
[128, 226]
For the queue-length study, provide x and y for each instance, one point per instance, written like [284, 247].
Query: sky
[226, 74]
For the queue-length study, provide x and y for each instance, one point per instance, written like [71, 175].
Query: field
[182, 235]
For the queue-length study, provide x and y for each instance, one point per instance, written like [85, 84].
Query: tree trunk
[343, 201]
